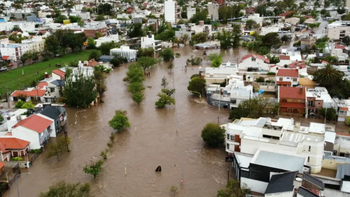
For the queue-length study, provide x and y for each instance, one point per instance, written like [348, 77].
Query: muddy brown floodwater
[152, 140]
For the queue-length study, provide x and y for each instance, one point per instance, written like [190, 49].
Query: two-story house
[36, 129]
[256, 61]
[287, 77]
[56, 113]
[292, 100]
[317, 99]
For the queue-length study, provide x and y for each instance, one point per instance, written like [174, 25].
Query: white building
[256, 18]
[25, 26]
[218, 75]
[36, 129]
[190, 12]
[249, 135]
[254, 61]
[149, 42]
[201, 27]
[109, 38]
[338, 30]
[213, 11]
[238, 92]
[170, 12]
[125, 51]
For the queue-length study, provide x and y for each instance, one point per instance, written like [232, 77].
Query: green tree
[167, 54]
[166, 35]
[328, 113]
[134, 74]
[250, 24]
[60, 19]
[346, 40]
[135, 30]
[120, 121]
[28, 105]
[146, 62]
[165, 82]
[79, 90]
[115, 62]
[254, 108]
[216, 59]
[197, 84]
[100, 81]
[271, 40]
[57, 148]
[213, 135]
[285, 38]
[95, 54]
[200, 15]
[328, 76]
[67, 189]
[106, 47]
[53, 46]
[94, 169]
[199, 38]
[1, 118]
[228, 39]
[234, 189]
[348, 121]
[74, 19]
[164, 100]
[136, 87]
[19, 104]
[146, 52]
[100, 18]
[91, 44]
[138, 97]
[105, 9]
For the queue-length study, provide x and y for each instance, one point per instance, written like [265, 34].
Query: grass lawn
[15, 80]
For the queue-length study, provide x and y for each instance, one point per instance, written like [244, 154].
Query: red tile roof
[344, 108]
[93, 63]
[287, 73]
[287, 13]
[338, 46]
[284, 57]
[59, 72]
[295, 65]
[12, 143]
[42, 84]
[293, 105]
[5, 57]
[256, 56]
[284, 83]
[34, 123]
[32, 93]
[291, 92]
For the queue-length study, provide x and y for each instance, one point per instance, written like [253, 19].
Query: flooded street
[156, 137]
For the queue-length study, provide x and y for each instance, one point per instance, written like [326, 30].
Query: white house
[125, 51]
[170, 13]
[201, 27]
[238, 92]
[254, 61]
[36, 129]
[149, 42]
[24, 25]
[248, 135]
[190, 12]
[287, 77]
[220, 74]
[109, 38]
[256, 18]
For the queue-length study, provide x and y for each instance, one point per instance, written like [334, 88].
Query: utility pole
[7, 97]
[325, 116]
[218, 120]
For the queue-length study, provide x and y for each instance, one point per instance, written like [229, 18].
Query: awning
[5, 57]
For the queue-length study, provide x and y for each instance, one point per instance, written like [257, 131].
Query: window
[294, 79]
[52, 89]
[253, 59]
[232, 137]
[228, 136]
[233, 101]
[310, 103]
[308, 159]
[309, 148]
[227, 146]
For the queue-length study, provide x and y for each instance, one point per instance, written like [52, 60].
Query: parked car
[2, 69]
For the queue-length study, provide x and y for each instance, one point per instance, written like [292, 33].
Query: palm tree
[328, 76]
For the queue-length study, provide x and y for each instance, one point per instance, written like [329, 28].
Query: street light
[182, 180]
[76, 115]
[17, 181]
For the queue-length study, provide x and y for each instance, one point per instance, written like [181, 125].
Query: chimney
[300, 90]
[46, 75]
[201, 23]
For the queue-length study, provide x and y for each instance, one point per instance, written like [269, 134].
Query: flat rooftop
[285, 161]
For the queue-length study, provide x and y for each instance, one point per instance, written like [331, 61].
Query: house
[307, 42]
[287, 77]
[170, 11]
[58, 74]
[180, 33]
[56, 113]
[190, 12]
[259, 62]
[343, 109]
[221, 74]
[28, 94]
[125, 51]
[213, 11]
[292, 20]
[36, 129]
[149, 42]
[202, 28]
[292, 100]
[105, 39]
[317, 99]
[13, 147]
[281, 185]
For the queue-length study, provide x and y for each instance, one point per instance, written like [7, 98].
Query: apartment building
[213, 11]
[317, 99]
[170, 11]
[338, 30]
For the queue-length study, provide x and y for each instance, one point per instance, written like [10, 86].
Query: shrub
[271, 73]
[17, 159]
[260, 79]
[213, 135]
[19, 104]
